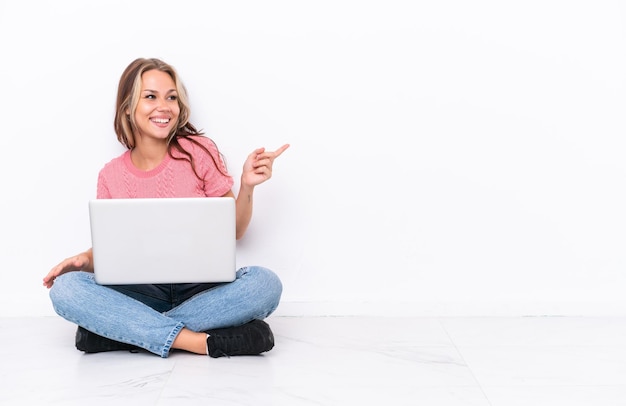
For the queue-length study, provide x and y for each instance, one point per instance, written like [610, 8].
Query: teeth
[161, 120]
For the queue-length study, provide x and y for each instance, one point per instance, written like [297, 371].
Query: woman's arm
[256, 170]
[80, 262]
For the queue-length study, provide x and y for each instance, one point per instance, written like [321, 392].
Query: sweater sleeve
[102, 189]
[217, 180]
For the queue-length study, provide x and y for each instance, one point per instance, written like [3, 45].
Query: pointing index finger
[280, 150]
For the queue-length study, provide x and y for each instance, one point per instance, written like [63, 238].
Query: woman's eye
[173, 98]
[150, 96]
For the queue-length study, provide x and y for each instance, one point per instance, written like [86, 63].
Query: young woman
[168, 157]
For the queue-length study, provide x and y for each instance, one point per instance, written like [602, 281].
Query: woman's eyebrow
[156, 91]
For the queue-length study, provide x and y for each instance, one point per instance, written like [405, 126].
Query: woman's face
[157, 112]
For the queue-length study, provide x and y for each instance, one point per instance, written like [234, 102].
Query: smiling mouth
[160, 120]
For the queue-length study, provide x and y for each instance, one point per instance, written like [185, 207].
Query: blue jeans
[151, 316]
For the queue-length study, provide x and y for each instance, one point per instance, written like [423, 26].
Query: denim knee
[67, 285]
[70, 292]
[268, 289]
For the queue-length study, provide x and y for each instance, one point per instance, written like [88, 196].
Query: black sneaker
[89, 342]
[250, 339]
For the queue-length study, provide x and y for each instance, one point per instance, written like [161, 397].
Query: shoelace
[227, 345]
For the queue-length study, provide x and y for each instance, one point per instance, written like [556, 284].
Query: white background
[447, 157]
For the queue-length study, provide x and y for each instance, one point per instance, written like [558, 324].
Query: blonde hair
[128, 93]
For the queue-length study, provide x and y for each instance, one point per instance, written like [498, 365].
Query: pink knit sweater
[172, 178]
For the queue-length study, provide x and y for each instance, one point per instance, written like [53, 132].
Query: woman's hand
[75, 263]
[258, 166]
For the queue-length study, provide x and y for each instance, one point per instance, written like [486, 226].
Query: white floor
[335, 361]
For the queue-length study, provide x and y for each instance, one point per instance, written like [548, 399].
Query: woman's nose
[162, 104]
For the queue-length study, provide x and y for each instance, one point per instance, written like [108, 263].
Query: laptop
[163, 240]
